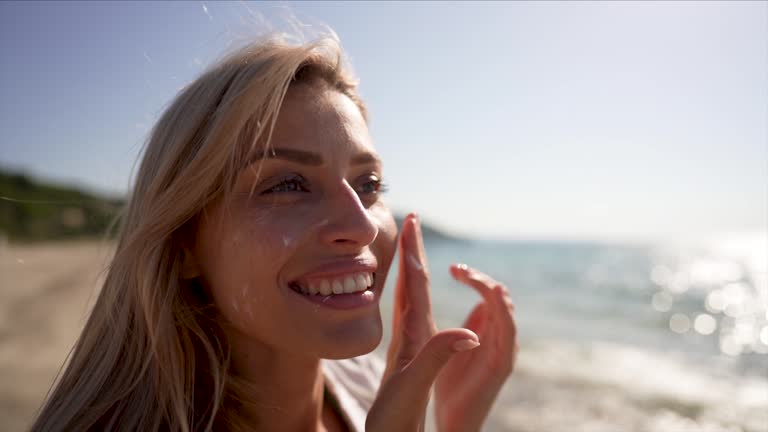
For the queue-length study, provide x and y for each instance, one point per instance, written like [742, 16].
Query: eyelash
[293, 180]
[301, 183]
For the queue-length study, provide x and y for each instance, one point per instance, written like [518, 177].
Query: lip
[338, 268]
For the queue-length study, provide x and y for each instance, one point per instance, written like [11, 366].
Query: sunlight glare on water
[728, 277]
[679, 323]
[705, 324]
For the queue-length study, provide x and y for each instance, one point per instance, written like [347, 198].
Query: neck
[283, 390]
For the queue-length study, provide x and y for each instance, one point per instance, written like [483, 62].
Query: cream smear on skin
[414, 262]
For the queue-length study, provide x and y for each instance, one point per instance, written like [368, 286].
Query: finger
[504, 334]
[412, 322]
[413, 332]
[505, 321]
[413, 311]
[425, 367]
[499, 305]
[402, 400]
[500, 309]
[401, 287]
[414, 275]
[477, 318]
[399, 300]
[482, 283]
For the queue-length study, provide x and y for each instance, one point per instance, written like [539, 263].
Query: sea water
[614, 338]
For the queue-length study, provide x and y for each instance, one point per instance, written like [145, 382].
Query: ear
[189, 266]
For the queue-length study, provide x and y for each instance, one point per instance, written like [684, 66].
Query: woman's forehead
[321, 120]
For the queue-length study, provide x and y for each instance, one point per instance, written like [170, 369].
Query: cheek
[243, 270]
[259, 244]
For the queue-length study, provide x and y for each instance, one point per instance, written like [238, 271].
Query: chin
[352, 341]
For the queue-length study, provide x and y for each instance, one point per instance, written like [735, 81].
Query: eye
[295, 183]
[373, 185]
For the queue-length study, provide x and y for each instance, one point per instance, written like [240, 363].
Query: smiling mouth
[344, 284]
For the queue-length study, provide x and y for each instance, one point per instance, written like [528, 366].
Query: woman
[255, 244]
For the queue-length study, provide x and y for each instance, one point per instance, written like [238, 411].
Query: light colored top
[354, 383]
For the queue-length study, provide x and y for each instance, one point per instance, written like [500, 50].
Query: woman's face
[297, 258]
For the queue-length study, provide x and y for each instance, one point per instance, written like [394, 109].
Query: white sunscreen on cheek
[244, 298]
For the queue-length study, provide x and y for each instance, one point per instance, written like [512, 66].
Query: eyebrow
[309, 158]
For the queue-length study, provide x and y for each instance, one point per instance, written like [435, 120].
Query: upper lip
[340, 267]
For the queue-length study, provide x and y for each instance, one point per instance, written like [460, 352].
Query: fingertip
[406, 231]
[457, 269]
[405, 221]
[416, 224]
[468, 334]
[465, 345]
[411, 226]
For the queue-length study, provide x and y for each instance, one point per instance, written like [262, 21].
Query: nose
[348, 225]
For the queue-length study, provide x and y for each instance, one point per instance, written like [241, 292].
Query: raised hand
[469, 383]
[417, 351]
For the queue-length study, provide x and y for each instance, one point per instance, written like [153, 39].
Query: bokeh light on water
[705, 324]
[726, 281]
[679, 323]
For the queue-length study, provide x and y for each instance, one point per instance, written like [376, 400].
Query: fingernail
[465, 345]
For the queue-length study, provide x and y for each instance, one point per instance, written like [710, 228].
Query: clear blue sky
[558, 120]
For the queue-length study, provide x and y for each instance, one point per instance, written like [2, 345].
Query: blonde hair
[152, 354]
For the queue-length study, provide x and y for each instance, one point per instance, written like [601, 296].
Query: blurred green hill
[34, 210]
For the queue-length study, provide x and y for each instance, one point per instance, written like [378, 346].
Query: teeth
[337, 287]
[352, 283]
[361, 282]
[325, 287]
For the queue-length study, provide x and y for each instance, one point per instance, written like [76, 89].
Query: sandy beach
[46, 292]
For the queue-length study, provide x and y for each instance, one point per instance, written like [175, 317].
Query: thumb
[402, 400]
[422, 371]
